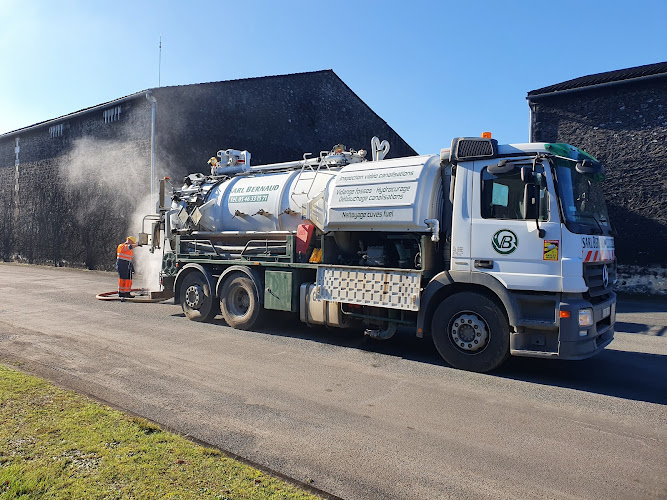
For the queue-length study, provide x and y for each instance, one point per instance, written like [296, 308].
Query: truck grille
[594, 278]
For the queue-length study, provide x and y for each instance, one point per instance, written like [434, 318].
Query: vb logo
[504, 242]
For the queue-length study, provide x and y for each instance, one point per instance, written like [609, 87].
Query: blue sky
[432, 70]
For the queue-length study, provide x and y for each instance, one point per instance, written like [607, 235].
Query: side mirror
[527, 175]
[530, 202]
[531, 206]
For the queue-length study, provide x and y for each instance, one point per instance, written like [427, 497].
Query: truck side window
[502, 195]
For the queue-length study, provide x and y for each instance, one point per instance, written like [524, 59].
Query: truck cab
[529, 228]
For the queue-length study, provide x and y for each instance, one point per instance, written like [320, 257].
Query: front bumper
[583, 342]
[563, 338]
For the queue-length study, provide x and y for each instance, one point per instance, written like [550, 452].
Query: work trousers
[125, 271]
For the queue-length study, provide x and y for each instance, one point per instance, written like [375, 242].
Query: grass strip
[57, 444]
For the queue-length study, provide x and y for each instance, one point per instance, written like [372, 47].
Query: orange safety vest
[124, 252]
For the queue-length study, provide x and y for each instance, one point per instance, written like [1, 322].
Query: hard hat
[132, 239]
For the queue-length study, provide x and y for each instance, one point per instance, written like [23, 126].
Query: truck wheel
[470, 332]
[239, 302]
[196, 299]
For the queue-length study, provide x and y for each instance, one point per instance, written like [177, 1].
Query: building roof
[607, 78]
[143, 92]
[70, 115]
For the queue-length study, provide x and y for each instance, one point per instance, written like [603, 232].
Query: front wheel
[197, 301]
[470, 332]
[239, 302]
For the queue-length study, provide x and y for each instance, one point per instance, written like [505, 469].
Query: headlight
[586, 317]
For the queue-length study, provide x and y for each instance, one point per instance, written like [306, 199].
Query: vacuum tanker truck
[490, 250]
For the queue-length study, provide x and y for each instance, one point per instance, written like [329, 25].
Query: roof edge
[74, 113]
[137, 94]
[555, 93]
[625, 75]
[246, 79]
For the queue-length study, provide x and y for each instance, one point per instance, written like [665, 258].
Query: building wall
[276, 118]
[624, 126]
[80, 193]
[72, 206]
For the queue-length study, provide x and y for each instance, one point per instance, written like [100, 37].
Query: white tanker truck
[491, 250]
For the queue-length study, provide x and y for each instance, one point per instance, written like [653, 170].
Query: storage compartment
[278, 292]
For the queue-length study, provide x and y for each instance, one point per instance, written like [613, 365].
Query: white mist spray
[115, 175]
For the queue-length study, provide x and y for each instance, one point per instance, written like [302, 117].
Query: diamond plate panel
[196, 215]
[183, 215]
[394, 289]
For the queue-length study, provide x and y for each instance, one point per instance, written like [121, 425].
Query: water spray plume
[111, 176]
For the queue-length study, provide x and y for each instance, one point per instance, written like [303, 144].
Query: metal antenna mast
[159, 64]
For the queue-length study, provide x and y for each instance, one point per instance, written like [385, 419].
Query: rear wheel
[470, 332]
[197, 301]
[239, 302]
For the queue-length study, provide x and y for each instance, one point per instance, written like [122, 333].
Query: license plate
[606, 312]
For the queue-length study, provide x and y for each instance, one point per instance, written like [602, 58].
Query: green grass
[56, 444]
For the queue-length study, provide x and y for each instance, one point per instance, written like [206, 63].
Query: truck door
[504, 243]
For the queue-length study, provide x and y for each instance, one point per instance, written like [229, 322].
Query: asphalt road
[357, 418]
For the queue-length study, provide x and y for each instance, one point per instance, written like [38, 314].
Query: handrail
[266, 246]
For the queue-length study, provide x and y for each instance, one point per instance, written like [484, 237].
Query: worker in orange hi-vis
[124, 255]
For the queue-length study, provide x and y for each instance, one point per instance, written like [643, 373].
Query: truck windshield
[582, 199]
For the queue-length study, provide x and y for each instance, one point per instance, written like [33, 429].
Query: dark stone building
[72, 187]
[620, 117]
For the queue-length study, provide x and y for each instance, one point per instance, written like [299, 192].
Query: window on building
[112, 114]
[56, 130]
[502, 194]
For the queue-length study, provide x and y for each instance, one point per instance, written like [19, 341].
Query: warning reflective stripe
[597, 249]
[124, 285]
[124, 252]
[599, 256]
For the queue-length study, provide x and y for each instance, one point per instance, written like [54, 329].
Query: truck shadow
[636, 376]
[629, 375]
[640, 328]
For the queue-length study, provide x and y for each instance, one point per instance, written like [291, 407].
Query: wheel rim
[194, 296]
[239, 301]
[469, 332]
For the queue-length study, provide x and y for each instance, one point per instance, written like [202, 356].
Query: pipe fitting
[385, 334]
[434, 226]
